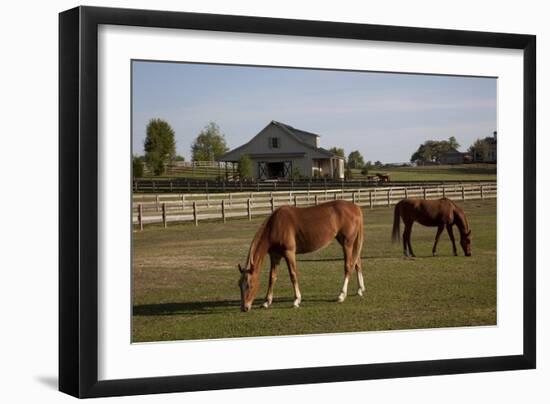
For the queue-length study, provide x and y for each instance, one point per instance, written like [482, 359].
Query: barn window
[274, 142]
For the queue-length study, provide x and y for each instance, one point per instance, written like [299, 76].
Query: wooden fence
[166, 208]
[187, 185]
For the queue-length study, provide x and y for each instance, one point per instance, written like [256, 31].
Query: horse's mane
[255, 241]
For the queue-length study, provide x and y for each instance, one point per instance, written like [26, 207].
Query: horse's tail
[396, 221]
[358, 244]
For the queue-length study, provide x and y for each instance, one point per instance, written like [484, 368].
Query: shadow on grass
[341, 259]
[209, 307]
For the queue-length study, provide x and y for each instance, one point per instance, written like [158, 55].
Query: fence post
[164, 223]
[272, 202]
[154, 187]
[424, 192]
[223, 210]
[359, 195]
[481, 191]
[389, 197]
[208, 200]
[171, 187]
[295, 201]
[316, 200]
[140, 217]
[443, 191]
[183, 201]
[463, 196]
[406, 192]
[335, 195]
[195, 214]
[370, 198]
[248, 208]
[353, 197]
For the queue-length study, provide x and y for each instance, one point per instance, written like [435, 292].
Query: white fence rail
[166, 208]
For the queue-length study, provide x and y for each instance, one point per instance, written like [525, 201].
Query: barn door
[287, 169]
[262, 170]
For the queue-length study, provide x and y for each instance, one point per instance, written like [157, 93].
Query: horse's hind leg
[439, 231]
[275, 260]
[360, 281]
[407, 240]
[290, 258]
[348, 266]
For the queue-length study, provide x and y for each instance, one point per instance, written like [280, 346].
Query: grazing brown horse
[290, 231]
[438, 213]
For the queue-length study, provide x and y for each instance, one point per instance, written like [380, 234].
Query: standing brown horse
[438, 213]
[290, 231]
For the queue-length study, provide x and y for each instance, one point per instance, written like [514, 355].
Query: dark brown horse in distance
[291, 230]
[441, 213]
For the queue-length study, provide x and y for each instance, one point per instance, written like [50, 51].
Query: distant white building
[280, 151]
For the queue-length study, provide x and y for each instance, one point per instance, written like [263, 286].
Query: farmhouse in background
[280, 151]
[487, 153]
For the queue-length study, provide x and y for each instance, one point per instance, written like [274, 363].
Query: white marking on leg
[344, 292]
[361, 283]
[298, 296]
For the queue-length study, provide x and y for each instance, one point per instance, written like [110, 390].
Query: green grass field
[185, 282]
[464, 172]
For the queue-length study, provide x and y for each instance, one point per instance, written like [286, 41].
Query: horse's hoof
[296, 305]
[265, 305]
[341, 298]
[360, 293]
[434, 254]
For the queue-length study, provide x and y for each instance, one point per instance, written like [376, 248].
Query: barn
[280, 151]
[452, 156]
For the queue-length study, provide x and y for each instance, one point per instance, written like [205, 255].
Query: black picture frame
[78, 201]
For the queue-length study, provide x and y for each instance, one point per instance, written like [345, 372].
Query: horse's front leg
[290, 258]
[452, 237]
[275, 260]
[439, 231]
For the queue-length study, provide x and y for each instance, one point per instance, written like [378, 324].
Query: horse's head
[248, 284]
[466, 243]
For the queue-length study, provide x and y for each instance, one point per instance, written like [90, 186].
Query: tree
[245, 167]
[209, 144]
[355, 160]
[179, 158]
[366, 167]
[160, 146]
[137, 167]
[433, 150]
[453, 144]
[378, 163]
[338, 151]
[478, 149]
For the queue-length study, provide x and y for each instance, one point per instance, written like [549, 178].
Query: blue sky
[385, 116]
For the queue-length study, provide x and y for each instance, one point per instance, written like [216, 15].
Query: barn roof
[298, 134]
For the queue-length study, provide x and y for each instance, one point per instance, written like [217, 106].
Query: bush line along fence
[171, 185]
[166, 208]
